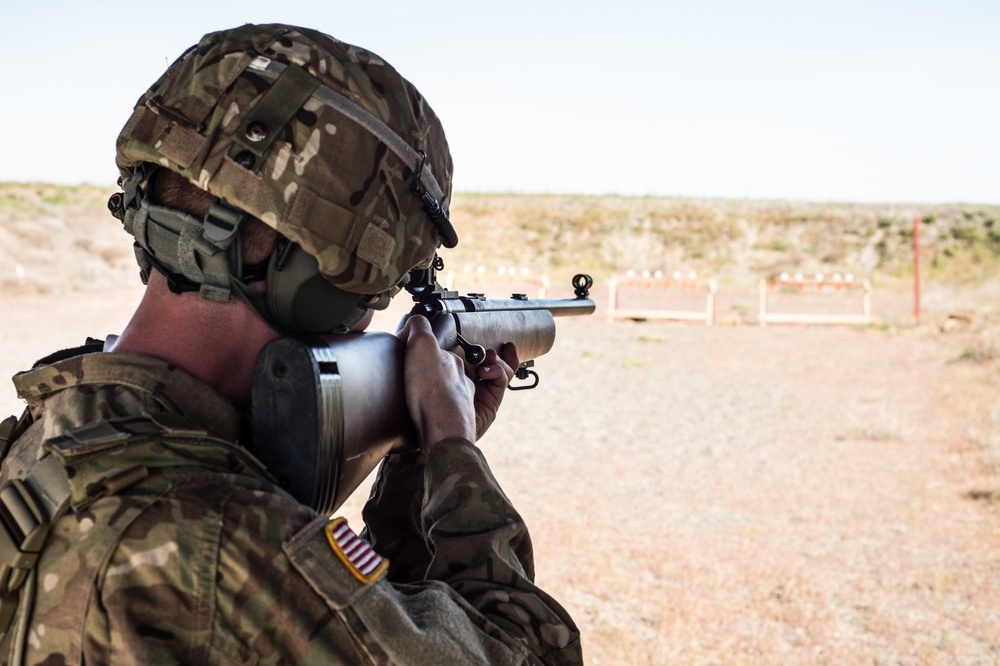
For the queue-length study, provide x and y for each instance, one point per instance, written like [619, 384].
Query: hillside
[63, 238]
[734, 241]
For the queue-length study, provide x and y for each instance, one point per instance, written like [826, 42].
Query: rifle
[326, 411]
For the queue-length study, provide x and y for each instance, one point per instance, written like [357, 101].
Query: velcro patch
[356, 554]
[376, 247]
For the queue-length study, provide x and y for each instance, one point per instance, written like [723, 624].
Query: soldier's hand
[438, 393]
[493, 377]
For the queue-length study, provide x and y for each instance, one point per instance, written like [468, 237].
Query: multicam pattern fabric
[322, 179]
[202, 560]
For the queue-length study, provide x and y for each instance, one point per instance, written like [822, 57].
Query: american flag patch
[366, 565]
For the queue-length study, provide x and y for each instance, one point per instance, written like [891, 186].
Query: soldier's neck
[217, 343]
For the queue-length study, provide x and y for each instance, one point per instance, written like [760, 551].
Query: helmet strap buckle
[222, 222]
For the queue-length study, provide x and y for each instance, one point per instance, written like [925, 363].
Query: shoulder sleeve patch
[356, 554]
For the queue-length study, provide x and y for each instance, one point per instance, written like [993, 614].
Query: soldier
[276, 182]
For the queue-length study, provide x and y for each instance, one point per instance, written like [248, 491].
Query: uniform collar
[96, 386]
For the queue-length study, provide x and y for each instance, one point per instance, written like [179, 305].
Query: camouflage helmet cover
[295, 158]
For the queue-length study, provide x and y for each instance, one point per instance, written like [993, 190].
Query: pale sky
[852, 100]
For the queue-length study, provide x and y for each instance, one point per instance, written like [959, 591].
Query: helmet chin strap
[205, 255]
[194, 254]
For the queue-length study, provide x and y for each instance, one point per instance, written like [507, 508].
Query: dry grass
[735, 241]
[880, 422]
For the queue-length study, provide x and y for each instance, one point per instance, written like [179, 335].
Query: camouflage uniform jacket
[178, 548]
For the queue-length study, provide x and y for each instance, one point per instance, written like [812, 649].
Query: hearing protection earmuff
[299, 299]
[204, 255]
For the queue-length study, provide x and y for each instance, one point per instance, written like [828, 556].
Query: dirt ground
[729, 495]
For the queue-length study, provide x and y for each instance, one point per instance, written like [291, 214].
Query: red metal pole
[916, 269]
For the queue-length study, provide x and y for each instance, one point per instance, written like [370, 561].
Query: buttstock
[325, 413]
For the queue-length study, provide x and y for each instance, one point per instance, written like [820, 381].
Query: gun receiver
[325, 412]
[468, 325]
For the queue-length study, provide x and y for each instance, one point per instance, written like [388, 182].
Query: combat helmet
[323, 141]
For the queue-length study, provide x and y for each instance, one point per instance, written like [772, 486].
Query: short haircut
[173, 190]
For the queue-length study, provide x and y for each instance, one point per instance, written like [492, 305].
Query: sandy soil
[728, 495]
[756, 496]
